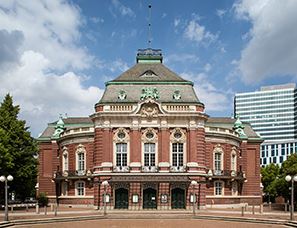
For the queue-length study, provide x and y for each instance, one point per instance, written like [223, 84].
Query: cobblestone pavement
[138, 223]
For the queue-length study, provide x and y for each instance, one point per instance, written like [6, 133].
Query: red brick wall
[98, 147]
[47, 160]
[135, 146]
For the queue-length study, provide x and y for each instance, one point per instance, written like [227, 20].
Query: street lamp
[5, 179]
[194, 184]
[105, 184]
[289, 178]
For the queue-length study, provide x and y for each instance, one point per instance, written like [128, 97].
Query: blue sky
[57, 54]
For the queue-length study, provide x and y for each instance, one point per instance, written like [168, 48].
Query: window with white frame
[121, 154]
[233, 161]
[80, 188]
[65, 159]
[178, 141]
[121, 144]
[149, 154]
[218, 188]
[234, 188]
[149, 148]
[64, 191]
[81, 161]
[177, 154]
[80, 158]
[218, 161]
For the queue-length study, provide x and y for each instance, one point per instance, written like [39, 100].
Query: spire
[149, 27]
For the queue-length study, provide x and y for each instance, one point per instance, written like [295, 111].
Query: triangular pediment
[149, 74]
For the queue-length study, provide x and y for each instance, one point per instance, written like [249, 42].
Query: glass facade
[272, 112]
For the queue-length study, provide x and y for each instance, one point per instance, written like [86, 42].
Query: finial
[149, 26]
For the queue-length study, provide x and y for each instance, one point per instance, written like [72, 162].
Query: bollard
[269, 206]
[56, 209]
[242, 211]
[246, 207]
[37, 208]
[261, 209]
[27, 207]
[253, 208]
[52, 207]
[45, 210]
[11, 208]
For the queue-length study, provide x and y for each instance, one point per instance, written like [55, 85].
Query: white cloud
[271, 50]
[97, 20]
[118, 65]
[207, 67]
[48, 30]
[220, 12]
[124, 10]
[181, 57]
[176, 22]
[42, 39]
[213, 98]
[43, 95]
[197, 33]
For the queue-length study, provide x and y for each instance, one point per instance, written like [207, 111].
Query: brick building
[149, 138]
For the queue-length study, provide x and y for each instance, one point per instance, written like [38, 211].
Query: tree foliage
[18, 150]
[269, 180]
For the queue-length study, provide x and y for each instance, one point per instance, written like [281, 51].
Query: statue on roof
[238, 127]
[149, 93]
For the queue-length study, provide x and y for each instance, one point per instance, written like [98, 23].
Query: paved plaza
[151, 223]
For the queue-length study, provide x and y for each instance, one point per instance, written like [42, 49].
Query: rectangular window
[233, 162]
[81, 161]
[177, 154]
[80, 188]
[121, 154]
[218, 188]
[274, 160]
[64, 191]
[149, 154]
[281, 159]
[218, 161]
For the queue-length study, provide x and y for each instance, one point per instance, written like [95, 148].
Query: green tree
[270, 174]
[289, 167]
[18, 150]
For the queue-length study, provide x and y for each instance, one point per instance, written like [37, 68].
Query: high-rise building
[272, 114]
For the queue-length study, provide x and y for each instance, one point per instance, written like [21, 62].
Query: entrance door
[149, 198]
[121, 198]
[178, 198]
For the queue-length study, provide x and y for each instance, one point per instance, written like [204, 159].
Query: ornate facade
[149, 138]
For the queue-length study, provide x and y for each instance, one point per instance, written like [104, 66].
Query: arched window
[149, 148]
[65, 159]
[233, 160]
[218, 164]
[121, 149]
[80, 159]
[178, 149]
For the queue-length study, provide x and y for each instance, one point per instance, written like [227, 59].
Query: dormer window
[149, 73]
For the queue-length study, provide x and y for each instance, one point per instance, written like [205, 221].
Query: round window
[177, 135]
[149, 135]
[121, 135]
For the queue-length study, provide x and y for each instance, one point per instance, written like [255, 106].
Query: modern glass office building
[272, 114]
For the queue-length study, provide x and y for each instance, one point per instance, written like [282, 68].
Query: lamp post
[194, 183]
[105, 184]
[5, 179]
[289, 178]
